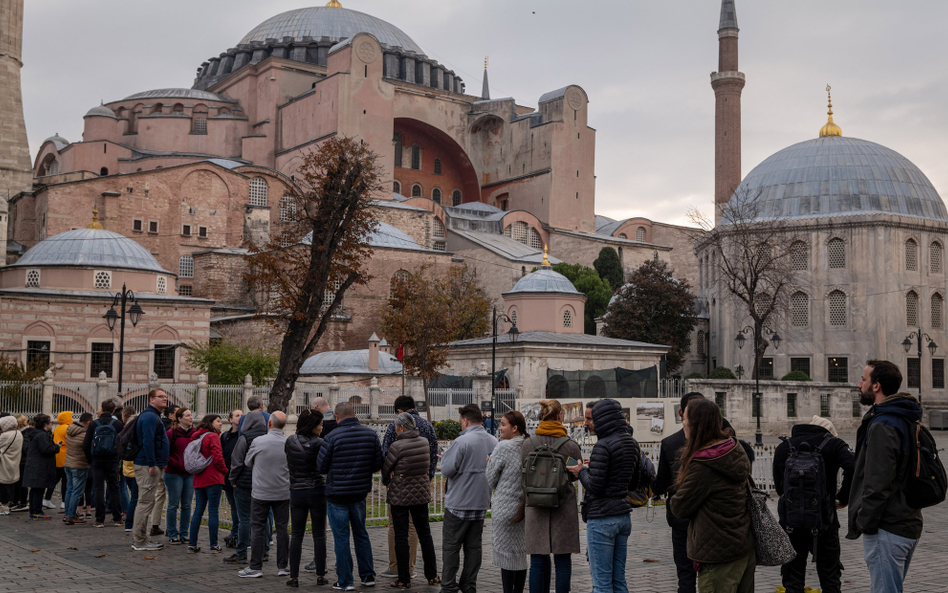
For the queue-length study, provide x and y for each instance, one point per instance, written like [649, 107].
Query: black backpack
[926, 482]
[805, 499]
[128, 445]
[103, 439]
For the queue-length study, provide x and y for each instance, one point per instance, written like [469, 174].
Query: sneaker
[155, 531]
[339, 587]
[235, 559]
[62, 505]
[128, 530]
[193, 549]
[39, 517]
[98, 525]
[283, 572]
[216, 549]
[249, 573]
[118, 523]
[311, 566]
[4, 510]
[368, 581]
[147, 547]
[266, 557]
[321, 581]
[175, 541]
[48, 504]
[389, 573]
[293, 583]
[18, 508]
[74, 521]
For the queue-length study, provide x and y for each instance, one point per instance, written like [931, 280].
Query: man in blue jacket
[149, 463]
[348, 458]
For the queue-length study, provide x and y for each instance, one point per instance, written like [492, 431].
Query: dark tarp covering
[605, 383]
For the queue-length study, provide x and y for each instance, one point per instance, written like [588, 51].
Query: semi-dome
[544, 280]
[58, 140]
[100, 111]
[349, 362]
[334, 22]
[90, 248]
[838, 176]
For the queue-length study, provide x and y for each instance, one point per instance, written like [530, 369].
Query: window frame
[140, 223]
[837, 375]
[153, 227]
[31, 351]
[96, 366]
[153, 359]
[185, 230]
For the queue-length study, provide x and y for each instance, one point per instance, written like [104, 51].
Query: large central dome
[329, 21]
[839, 176]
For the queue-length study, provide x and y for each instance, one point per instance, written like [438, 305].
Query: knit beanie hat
[7, 423]
[824, 423]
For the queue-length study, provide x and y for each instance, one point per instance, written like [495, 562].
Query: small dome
[544, 280]
[58, 140]
[349, 362]
[100, 111]
[90, 248]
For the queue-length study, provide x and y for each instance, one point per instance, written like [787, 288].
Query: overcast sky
[644, 64]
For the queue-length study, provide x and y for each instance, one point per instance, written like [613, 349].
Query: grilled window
[456, 198]
[857, 406]
[101, 360]
[185, 290]
[137, 226]
[937, 304]
[416, 157]
[436, 195]
[330, 294]
[914, 374]
[164, 361]
[934, 257]
[153, 227]
[799, 255]
[800, 309]
[37, 355]
[911, 309]
[911, 255]
[700, 343]
[396, 187]
[838, 370]
[640, 234]
[567, 318]
[535, 241]
[287, 208]
[186, 266]
[837, 308]
[720, 398]
[437, 166]
[800, 364]
[938, 373]
[791, 405]
[767, 368]
[162, 286]
[825, 405]
[397, 141]
[103, 279]
[837, 254]
[32, 278]
[416, 191]
[258, 191]
[199, 126]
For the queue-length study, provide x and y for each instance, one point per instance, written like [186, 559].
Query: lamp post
[758, 352]
[932, 347]
[739, 370]
[513, 334]
[135, 312]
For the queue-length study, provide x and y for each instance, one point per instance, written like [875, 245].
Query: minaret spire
[727, 83]
[485, 87]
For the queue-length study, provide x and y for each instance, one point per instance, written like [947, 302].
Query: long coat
[553, 531]
[40, 471]
[503, 475]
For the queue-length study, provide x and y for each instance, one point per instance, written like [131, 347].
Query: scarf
[551, 428]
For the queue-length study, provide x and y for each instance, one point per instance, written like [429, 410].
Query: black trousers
[456, 535]
[105, 474]
[419, 516]
[828, 566]
[61, 480]
[687, 577]
[36, 501]
[302, 508]
[513, 580]
[6, 494]
[260, 535]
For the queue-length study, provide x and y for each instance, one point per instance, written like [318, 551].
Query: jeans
[888, 557]
[606, 543]
[123, 492]
[419, 517]
[76, 478]
[341, 516]
[234, 515]
[828, 566]
[180, 493]
[687, 577]
[458, 534]
[105, 474]
[242, 498]
[540, 572]
[259, 520]
[207, 497]
[301, 508]
[147, 491]
[132, 484]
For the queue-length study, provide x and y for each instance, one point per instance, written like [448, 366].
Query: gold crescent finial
[546, 262]
[830, 129]
[485, 62]
[95, 224]
[334, 4]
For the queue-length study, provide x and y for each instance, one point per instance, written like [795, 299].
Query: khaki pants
[147, 489]
[736, 576]
[412, 543]
[160, 494]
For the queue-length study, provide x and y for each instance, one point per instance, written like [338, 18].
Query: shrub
[722, 373]
[447, 430]
[695, 376]
[796, 376]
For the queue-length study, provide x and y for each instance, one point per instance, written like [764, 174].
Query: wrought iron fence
[223, 399]
[75, 397]
[21, 399]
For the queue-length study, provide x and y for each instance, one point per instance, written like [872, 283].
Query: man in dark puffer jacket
[613, 462]
[348, 458]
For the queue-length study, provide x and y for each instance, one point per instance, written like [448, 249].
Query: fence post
[248, 391]
[291, 407]
[201, 396]
[48, 393]
[374, 391]
[153, 382]
[101, 389]
[334, 392]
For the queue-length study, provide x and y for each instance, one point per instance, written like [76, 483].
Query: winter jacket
[178, 440]
[714, 497]
[266, 460]
[102, 420]
[668, 466]
[11, 451]
[836, 455]
[348, 458]
[215, 473]
[329, 423]
[255, 426]
[425, 430]
[228, 442]
[301, 455]
[63, 422]
[28, 433]
[613, 461]
[552, 531]
[40, 471]
[75, 455]
[152, 438]
[464, 465]
[408, 459]
[877, 498]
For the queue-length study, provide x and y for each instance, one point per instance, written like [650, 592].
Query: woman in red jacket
[178, 481]
[208, 484]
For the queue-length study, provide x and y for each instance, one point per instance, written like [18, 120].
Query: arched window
[519, 231]
[330, 294]
[557, 387]
[699, 343]
[567, 318]
[399, 276]
[178, 108]
[287, 208]
[456, 198]
[416, 191]
[640, 234]
[52, 167]
[186, 266]
[104, 171]
[415, 157]
[436, 195]
[837, 307]
[513, 316]
[396, 187]
[535, 241]
[622, 236]
[911, 256]
[934, 257]
[937, 303]
[799, 255]
[258, 191]
[800, 309]
[837, 254]
[157, 109]
[438, 233]
[397, 141]
[594, 387]
[911, 309]
[437, 166]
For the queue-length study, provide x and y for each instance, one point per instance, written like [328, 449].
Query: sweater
[503, 476]
[349, 457]
[178, 438]
[214, 474]
[405, 470]
[75, 455]
[266, 460]
[464, 465]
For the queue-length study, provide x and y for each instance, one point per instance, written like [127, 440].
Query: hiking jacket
[464, 465]
[713, 496]
[103, 420]
[153, 439]
[40, 470]
[301, 455]
[348, 458]
[75, 454]
[877, 498]
[408, 459]
[215, 473]
[255, 426]
[63, 422]
[614, 458]
[178, 440]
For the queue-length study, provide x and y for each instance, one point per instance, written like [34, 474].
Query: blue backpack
[103, 439]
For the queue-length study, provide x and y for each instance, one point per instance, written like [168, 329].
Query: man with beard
[878, 510]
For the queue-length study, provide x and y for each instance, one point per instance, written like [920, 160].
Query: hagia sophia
[183, 179]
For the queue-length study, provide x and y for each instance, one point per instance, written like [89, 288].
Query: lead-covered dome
[90, 248]
[544, 280]
[838, 176]
[334, 22]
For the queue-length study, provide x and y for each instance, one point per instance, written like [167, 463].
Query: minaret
[485, 88]
[727, 83]
[16, 171]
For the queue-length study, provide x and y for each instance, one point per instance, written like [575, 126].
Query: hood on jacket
[64, 418]
[805, 430]
[7, 424]
[75, 428]
[726, 458]
[608, 418]
[900, 404]
[254, 425]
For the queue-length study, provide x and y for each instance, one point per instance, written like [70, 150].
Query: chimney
[374, 353]
[384, 347]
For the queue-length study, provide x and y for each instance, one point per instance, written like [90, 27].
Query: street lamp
[758, 352]
[932, 347]
[135, 313]
[512, 335]
[740, 372]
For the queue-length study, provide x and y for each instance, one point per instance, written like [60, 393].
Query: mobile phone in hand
[570, 462]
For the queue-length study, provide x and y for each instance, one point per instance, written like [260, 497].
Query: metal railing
[75, 397]
[672, 388]
[223, 399]
[444, 403]
[21, 399]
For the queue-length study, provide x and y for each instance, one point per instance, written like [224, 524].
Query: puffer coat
[75, 456]
[301, 454]
[348, 458]
[408, 459]
[613, 460]
[553, 531]
[40, 471]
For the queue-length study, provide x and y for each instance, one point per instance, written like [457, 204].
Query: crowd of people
[125, 464]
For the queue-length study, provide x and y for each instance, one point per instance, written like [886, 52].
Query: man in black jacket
[836, 456]
[104, 465]
[228, 442]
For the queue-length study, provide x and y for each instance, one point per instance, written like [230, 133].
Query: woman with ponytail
[178, 482]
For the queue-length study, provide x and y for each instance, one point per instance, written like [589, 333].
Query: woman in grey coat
[503, 475]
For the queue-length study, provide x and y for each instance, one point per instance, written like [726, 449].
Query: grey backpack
[544, 476]
[194, 462]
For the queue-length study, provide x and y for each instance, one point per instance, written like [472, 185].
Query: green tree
[655, 307]
[597, 291]
[227, 363]
[610, 267]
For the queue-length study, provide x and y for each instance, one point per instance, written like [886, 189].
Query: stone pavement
[48, 556]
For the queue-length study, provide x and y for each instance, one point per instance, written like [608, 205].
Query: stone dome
[100, 111]
[544, 280]
[334, 22]
[90, 248]
[349, 362]
[839, 176]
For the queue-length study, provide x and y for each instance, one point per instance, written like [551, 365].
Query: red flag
[401, 352]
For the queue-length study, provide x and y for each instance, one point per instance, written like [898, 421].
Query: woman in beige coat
[552, 531]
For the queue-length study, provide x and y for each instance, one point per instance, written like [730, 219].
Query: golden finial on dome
[546, 262]
[95, 224]
[334, 4]
[830, 129]
[485, 62]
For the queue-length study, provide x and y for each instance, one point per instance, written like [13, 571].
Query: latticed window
[535, 241]
[32, 278]
[767, 368]
[101, 360]
[824, 405]
[37, 355]
[800, 364]
[911, 255]
[720, 399]
[330, 293]
[416, 158]
[436, 195]
[911, 309]
[934, 257]
[799, 255]
[185, 290]
[857, 406]
[837, 254]
[640, 234]
[186, 266]
[287, 208]
[800, 309]
[199, 126]
[286, 239]
[937, 303]
[456, 198]
[914, 374]
[938, 373]
[437, 166]
[791, 405]
[103, 280]
[258, 191]
[162, 287]
[517, 231]
[416, 191]
[513, 316]
[397, 141]
[164, 361]
[567, 318]
[838, 370]
[700, 343]
[438, 230]
[837, 307]
[622, 236]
